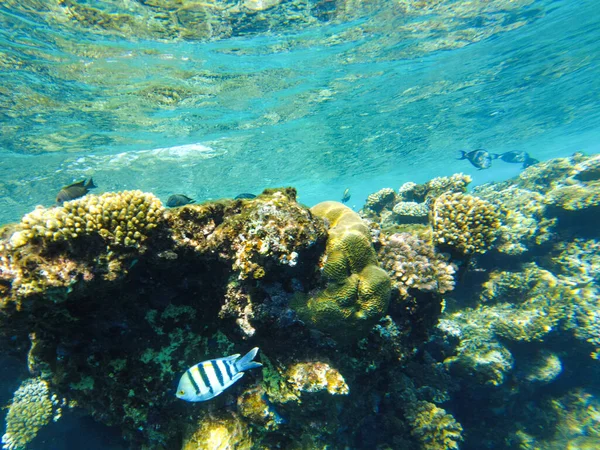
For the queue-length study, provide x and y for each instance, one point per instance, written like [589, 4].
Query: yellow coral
[464, 223]
[219, 433]
[434, 427]
[31, 409]
[315, 377]
[357, 292]
[120, 218]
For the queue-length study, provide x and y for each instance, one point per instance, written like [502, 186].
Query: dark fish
[516, 156]
[245, 195]
[74, 191]
[479, 158]
[178, 200]
[346, 195]
[529, 162]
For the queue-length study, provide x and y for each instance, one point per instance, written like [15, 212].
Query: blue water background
[304, 109]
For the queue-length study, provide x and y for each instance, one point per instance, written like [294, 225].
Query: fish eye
[181, 392]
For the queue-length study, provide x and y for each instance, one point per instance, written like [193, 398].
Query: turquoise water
[212, 99]
[386, 92]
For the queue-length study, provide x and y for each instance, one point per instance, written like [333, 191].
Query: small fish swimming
[346, 195]
[480, 158]
[75, 190]
[245, 195]
[179, 200]
[516, 156]
[209, 378]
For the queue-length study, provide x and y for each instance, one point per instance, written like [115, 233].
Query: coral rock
[316, 377]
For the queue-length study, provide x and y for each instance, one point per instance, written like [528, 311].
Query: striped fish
[209, 378]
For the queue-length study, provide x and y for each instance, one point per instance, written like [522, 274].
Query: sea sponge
[464, 223]
[434, 428]
[357, 290]
[414, 264]
[30, 410]
[121, 218]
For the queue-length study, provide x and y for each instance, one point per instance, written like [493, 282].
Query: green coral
[464, 223]
[357, 291]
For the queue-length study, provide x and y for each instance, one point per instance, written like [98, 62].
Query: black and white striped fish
[209, 378]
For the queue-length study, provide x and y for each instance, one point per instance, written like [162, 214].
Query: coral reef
[32, 407]
[223, 432]
[433, 427]
[525, 226]
[464, 223]
[381, 199]
[431, 190]
[251, 234]
[357, 291]
[123, 218]
[315, 377]
[414, 264]
[500, 335]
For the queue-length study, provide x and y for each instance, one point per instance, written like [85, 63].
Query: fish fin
[237, 376]
[463, 154]
[90, 184]
[246, 362]
[79, 183]
[231, 358]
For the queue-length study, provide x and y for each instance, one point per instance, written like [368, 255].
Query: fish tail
[463, 154]
[90, 184]
[246, 362]
[495, 155]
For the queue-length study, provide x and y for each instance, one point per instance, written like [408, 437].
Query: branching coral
[357, 291]
[414, 264]
[122, 218]
[434, 427]
[31, 409]
[464, 223]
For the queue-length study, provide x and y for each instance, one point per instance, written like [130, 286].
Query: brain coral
[121, 218]
[413, 263]
[357, 291]
[464, 223]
